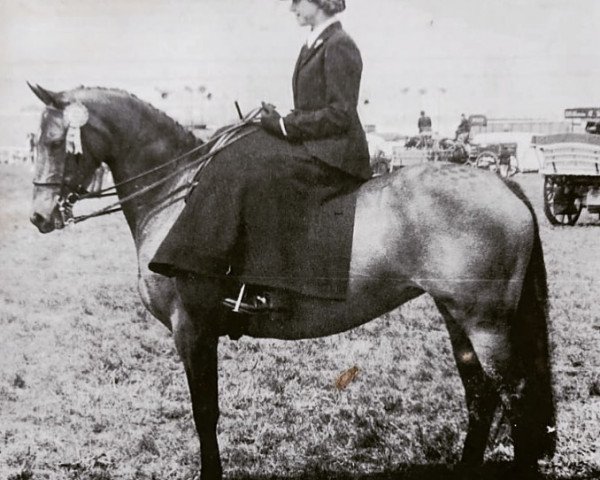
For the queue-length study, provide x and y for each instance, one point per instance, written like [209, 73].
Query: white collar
[314, 34]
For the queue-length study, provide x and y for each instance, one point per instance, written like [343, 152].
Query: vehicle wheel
[562, 205]
[488, 160]
[380, 167]
[458, 155]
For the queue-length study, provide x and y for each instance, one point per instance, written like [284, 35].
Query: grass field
[91, 387]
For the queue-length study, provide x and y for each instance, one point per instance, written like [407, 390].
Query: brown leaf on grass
[595, 388]
[18, 382]
[346, 377]
[148, 444]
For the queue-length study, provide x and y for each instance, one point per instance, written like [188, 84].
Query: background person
[32, 141]
[463, 130]
[424, 123]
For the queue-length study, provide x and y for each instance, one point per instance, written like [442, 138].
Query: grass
[91, 387]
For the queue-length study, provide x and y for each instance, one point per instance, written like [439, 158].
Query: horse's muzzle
[43, 224]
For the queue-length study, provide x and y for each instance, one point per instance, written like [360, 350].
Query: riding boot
[202, 296]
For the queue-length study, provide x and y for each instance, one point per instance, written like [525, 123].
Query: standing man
[32, 146]
[424, 123]
[463, 130]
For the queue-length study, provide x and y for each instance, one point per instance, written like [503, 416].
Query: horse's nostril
[36, 219]
[43, 225]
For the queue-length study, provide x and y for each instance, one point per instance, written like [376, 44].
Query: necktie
[304, 53]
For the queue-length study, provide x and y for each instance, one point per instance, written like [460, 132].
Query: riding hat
[330, 7]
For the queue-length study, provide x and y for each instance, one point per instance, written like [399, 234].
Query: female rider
[249, 214]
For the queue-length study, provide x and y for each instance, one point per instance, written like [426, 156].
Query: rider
[326, 85]
[275, 174]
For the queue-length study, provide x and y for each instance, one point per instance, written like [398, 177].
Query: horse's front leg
[197, 340]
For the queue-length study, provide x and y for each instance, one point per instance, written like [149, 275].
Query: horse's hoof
[527, 472]
[211, 476]
[466, 471]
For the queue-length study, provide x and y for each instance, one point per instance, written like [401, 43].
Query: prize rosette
[75, 116]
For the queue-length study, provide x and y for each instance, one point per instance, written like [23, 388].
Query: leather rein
[67, 199]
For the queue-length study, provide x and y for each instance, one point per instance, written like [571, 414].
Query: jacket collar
[322, 38]
[314, 34]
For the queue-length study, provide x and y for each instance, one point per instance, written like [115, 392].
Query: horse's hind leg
[197, 342]
[481, 396]
[490, 333]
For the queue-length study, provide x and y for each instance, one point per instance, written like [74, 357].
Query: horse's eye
[54, 144]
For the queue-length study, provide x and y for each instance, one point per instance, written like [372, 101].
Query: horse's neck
[140, 146]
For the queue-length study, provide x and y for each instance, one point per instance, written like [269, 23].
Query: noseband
[66, 198]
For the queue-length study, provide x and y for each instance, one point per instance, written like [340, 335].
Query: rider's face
[305, 11]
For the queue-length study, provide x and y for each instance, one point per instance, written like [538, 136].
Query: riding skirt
[267, 212]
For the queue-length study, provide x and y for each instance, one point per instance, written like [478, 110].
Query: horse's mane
[159, 113]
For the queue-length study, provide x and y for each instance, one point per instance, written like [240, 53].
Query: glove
[269, 119]
[268, 108]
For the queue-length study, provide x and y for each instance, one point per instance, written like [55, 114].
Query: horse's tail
[534, 407]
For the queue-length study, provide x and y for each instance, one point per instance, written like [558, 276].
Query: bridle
[72, 193]
[68, 193]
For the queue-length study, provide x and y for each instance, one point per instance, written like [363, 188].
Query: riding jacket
[326, 84]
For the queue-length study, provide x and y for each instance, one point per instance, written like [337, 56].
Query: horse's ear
[49, 98]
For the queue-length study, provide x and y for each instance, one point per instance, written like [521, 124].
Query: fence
[16, 156]
[543, 127]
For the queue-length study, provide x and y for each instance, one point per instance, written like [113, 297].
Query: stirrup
[258, 305]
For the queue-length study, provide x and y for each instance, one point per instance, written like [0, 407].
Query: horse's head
[65, 164]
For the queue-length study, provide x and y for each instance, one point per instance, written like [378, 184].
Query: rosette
[75, 116]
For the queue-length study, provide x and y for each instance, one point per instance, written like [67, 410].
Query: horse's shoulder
[158, 295]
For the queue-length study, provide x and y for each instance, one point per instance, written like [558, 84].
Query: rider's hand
[268, 109]
[269, 119]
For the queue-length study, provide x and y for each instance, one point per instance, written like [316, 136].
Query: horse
[420, 141]
[412, 142]
[463, 236]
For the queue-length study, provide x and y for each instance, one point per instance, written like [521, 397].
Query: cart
[571, 169]
[402, 156]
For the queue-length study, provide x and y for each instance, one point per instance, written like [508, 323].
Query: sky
[501, 58]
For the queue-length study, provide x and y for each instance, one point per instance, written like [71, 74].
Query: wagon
[571, 170]
[402, 156]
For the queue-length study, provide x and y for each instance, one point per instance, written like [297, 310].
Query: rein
[217, 144]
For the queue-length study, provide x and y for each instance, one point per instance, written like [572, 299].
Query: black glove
[269, 119]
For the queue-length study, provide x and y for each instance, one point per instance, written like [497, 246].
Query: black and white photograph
[299, 239]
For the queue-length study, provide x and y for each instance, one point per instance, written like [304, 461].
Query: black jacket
[326, 86]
